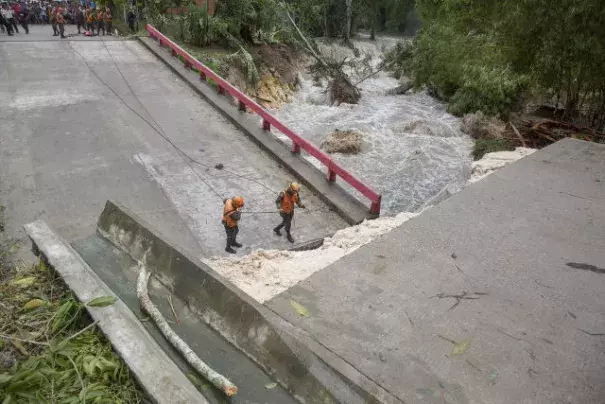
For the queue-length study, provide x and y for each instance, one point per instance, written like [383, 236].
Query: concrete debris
[264, 274]
[494, 161]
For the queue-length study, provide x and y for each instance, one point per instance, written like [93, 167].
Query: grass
[484, 146]
[50, 350]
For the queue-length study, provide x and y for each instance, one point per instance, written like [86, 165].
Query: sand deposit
[494, 161]
[264, 274]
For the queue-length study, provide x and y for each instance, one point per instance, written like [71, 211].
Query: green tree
[484, 54]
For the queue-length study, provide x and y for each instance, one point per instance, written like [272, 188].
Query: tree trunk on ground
[218, 380]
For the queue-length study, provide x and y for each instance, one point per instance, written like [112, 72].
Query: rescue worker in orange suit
[53, 20]
[285, 204]
[100, 22]
[60, 19]
[89, 15]
[231, 216]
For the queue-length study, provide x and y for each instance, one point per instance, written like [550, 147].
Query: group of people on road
[14, 14]
[85, 14]
[285, 202]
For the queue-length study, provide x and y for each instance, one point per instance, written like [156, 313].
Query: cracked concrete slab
[525, 244]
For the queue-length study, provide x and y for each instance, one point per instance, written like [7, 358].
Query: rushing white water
[412, 147]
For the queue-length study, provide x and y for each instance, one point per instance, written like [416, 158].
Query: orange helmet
[238, 201]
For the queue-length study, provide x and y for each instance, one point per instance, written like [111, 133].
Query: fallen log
[218, 380]
[518, 134]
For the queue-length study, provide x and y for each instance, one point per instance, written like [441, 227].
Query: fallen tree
[340, 89]
[218, 380]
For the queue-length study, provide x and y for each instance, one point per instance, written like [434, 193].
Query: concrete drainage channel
[269, 359]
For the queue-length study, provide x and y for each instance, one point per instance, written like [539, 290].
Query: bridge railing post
[375, 207]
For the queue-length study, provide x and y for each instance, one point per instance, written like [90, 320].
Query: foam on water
[412, 149]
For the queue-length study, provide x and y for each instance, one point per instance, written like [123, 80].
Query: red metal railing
[269, 120]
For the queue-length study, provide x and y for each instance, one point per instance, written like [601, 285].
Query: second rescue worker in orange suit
[285, 203]
[231, 216]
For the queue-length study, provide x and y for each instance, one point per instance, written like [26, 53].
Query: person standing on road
[16, 12]
[90, 20]
[285, 204]
[53, 19]
[130, 19]
[100, 22]
[108, 20]
[231, 216]
[2, 22]
[24, 16]
[8, 17]
[79, 18]
[60, 19]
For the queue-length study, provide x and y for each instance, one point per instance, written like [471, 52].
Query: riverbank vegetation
[501, 56]
[522, 62]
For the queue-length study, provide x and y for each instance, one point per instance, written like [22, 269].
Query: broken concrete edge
[341, 201]
[238, 318]
[157, 374]
[310, 245]
[323, 358]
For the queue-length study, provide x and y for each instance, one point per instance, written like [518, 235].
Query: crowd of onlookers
[90, 18]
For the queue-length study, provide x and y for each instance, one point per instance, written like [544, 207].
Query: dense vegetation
[251, 21]
[492, 54]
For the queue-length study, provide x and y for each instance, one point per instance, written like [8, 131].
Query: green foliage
[54, 362]
[483, 55]
[492, 90]
[484, 146]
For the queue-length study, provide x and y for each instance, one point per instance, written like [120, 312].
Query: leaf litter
[55, 354]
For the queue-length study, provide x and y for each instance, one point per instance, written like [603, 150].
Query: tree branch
[218, 380]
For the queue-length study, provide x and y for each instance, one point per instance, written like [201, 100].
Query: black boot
[290, 239]
[277, 231]
[236, 244]
[230, 250]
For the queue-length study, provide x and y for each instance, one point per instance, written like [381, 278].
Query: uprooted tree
[340, 89]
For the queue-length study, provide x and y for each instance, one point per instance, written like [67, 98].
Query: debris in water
[270, 386]
[454, 256]
[219, 166]
[345, 142]
[300, 309]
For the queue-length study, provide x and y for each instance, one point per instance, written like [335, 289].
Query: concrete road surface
[82, 121]
[496, 295]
